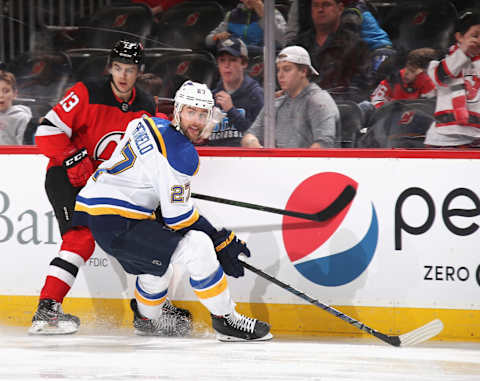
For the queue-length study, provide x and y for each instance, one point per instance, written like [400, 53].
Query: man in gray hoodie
[13, 118]
[306, 115]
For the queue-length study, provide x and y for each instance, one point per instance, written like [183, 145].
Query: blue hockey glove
[228, 248]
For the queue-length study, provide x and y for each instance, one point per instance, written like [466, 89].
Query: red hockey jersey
[386, 91]
[89, 116]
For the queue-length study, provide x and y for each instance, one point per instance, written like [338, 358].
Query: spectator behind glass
[13, 118]
[238, 96]
[306, 115]
[246, 21]
[411, 82]
[457, 76]
[159, 6]
[152, 84]
[340, 56]
[356, 16]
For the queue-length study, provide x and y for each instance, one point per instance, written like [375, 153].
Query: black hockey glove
[228, 248]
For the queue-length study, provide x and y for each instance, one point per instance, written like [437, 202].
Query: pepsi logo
[337, 251]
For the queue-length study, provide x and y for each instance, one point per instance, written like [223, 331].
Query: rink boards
[405, 251]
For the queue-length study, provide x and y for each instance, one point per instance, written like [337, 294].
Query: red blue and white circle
[333, 252]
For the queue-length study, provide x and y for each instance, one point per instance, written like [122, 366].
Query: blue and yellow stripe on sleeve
[183, 221]
[97, 206]
[211, 286]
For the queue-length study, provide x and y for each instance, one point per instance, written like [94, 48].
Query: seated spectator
[238, 96]
[306, 115]
[340, 56]
[357, 17]
[152, 84]
[457, 76]
[411, 82]
[159, 6]
[13, 118]
[246, 21]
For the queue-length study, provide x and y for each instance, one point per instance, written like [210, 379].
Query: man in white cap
[306, 115]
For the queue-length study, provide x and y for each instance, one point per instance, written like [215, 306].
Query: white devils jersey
[151, 166]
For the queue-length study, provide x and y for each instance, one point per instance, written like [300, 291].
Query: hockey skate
[173, 321]
[168, 306]
[237, 327]
[49, 319]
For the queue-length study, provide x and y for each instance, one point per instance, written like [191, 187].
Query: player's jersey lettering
[70, 101]
[142, 139]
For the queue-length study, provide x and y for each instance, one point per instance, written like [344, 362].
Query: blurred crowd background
[50, 44]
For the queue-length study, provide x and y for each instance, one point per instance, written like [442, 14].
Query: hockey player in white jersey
[149, 174]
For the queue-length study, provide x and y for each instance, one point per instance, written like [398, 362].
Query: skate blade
[43, 328]
[226, 338]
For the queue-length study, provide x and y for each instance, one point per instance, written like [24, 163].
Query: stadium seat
[109, 24]
[351, 122]
[41, 75]
[175, 67]
[399, 124]
[88, 64]
[186, 25]
[413, 24]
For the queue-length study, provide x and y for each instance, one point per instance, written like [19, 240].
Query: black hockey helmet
[125, 51]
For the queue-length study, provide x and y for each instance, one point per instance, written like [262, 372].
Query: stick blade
[421, 334]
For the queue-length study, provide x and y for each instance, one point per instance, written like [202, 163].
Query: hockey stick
[330, 211]
[416, 336]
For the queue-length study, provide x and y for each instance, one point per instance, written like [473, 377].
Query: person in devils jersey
[77, 134]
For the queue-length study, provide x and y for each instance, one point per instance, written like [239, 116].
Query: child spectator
[457, 111]
[238, 95]
[246, 21]
[13, 118]
[411, 82]
[152, 84]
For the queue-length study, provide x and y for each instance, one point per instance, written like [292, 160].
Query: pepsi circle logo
[336, 251]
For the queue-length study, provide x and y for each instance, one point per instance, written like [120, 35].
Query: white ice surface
[120, 355]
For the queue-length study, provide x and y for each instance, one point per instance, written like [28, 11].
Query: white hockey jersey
[457, 111]
[151, 166]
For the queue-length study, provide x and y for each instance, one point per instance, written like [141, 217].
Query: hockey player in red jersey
[77, 134]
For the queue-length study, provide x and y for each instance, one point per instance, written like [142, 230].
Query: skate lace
[168, 306]
[241, 322]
